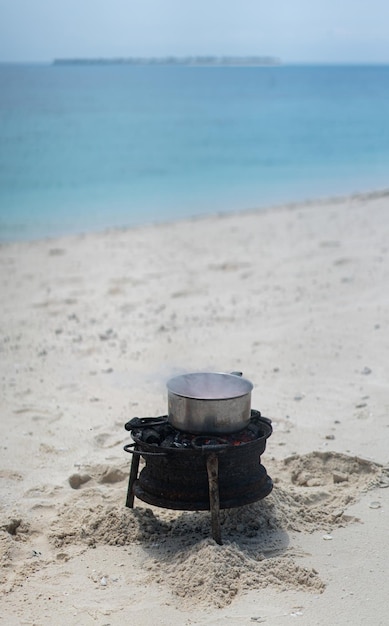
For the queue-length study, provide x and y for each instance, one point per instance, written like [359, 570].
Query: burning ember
[158, 432]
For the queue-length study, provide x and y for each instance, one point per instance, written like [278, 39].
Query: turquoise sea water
[89, 147]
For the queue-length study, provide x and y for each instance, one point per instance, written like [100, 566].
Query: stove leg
[132, 479]
[214, 504]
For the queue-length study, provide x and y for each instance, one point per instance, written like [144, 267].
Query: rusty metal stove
[198, 472]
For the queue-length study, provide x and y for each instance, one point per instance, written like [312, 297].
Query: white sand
[92, 326]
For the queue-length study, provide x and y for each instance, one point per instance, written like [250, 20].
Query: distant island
[213, 61]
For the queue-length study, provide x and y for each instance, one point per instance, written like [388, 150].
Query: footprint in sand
[6, 474]
[105, 440]
[39, 414]
[41, 491]
[102, 474]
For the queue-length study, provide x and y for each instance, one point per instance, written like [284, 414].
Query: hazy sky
[294, 30]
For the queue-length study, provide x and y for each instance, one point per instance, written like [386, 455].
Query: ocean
[92, 147]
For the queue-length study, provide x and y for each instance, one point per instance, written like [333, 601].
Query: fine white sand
[91, 328]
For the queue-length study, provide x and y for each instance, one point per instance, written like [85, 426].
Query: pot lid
[209, 386]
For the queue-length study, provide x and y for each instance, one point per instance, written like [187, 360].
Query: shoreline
[295, 296]
[359, 196]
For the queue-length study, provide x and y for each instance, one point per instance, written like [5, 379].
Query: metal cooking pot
[206, 402]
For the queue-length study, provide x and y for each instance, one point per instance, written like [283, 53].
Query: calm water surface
[88, 147]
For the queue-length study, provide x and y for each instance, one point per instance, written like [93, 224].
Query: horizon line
[274, 61]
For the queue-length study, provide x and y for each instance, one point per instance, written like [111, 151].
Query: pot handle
[128, 447]
[237, 374]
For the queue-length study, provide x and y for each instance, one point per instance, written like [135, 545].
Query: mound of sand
[311, 493]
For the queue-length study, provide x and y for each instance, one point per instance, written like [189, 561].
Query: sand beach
[93, 325]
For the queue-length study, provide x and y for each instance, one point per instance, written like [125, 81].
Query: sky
[302, 31]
